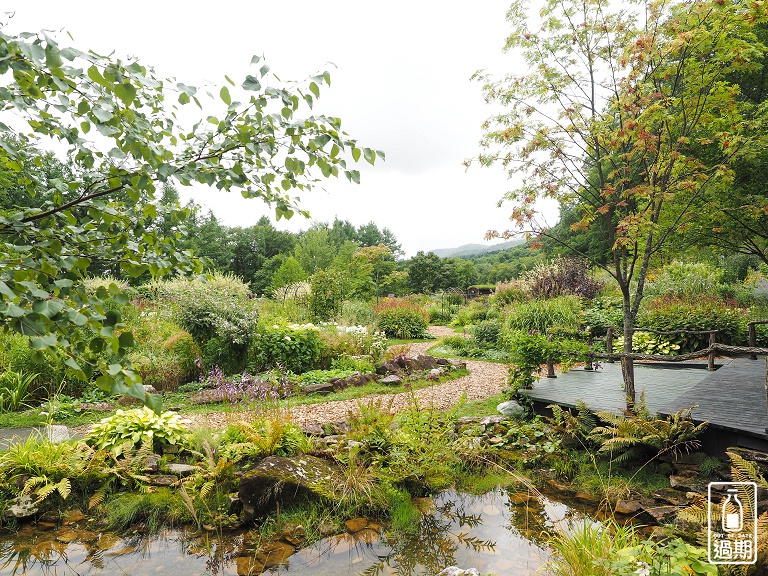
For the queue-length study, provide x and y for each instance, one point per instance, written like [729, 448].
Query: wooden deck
[732, 398]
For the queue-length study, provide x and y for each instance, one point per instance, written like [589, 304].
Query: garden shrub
[669, 313]
[687, 279]
[351, 341]
[440, 314]
[476, 311]
[603, 311]
[487, 332]
[510, 292]
[296, 348]
[401, 318]
[327, 295]
[17, 355]
[219, 313]
[357, 313]
[542, 314]
[165, 354]
[649, 343]
[562, 276]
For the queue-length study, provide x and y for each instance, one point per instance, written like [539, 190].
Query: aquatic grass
[586, 548]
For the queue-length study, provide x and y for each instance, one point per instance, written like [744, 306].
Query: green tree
[117, 121]
[629, 115]
[290, 272]
[314, 249]
[371, 265]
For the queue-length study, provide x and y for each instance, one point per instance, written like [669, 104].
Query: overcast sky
[401, 84]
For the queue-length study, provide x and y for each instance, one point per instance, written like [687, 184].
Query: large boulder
[278, 479]
[510, 409]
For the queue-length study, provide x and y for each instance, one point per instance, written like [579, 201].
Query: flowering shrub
[562, 276]
[297, 348]
[353, 341]
[127, 428]
[240, 388]
[219, 313]
[400, 318]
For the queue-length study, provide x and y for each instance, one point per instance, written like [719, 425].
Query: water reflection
[501, 532]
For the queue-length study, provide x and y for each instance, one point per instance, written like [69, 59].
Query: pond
[500, 532]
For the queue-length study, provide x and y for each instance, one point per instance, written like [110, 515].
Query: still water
[501, 532]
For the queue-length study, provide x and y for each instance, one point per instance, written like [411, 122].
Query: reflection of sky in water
[488, 532]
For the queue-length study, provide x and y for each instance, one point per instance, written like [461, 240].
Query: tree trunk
[627, 364]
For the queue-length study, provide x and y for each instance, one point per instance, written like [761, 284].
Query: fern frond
[64, 487]
[98, 497]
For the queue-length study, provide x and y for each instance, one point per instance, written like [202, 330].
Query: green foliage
[290, 272]
[357, 313]
[585, 549]
[602, 312]
[127, 429]
[264, 437]
[528, 351]
[401, 318]
[487, 332]
[15, 390]
[117, 127]
[649, 343]
[634, 437]
[161, 507]
[327, 296]
[671, 313]
[296, 348]
[219, 312]
[320, 376]
[688, 279]
[542, 314]
[510, 292]
[669, 557]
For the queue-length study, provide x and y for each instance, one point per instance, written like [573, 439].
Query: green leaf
[224, 93]
[356, 152]
[314, 89]
[43, 342]
[252, 84]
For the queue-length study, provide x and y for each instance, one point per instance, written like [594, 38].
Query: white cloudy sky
[402, 85]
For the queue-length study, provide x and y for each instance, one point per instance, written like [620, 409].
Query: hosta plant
[649, 343]
[129, 428]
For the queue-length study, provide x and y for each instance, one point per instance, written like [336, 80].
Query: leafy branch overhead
[118, 123]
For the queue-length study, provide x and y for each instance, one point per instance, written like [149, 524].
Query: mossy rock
[279, 479]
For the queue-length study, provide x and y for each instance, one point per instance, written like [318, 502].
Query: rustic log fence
[711, 351]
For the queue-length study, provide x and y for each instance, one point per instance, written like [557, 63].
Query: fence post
[550, 369]
[711, 358]
[609, 343]
[752, 340]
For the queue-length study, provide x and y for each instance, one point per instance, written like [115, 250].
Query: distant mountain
[475, 249]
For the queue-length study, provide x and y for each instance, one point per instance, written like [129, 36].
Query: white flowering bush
[354, 340]
[219, 312]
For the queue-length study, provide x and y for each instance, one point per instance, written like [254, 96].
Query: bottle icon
[733, 515]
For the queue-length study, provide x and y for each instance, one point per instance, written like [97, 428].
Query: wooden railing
[711, 351]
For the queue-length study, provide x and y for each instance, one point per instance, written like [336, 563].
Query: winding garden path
[484, 379]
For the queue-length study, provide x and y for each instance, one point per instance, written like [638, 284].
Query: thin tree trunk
[627, 364]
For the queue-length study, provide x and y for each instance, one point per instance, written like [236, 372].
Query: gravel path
[484, 379]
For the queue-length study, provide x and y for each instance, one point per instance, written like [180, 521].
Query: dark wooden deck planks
[732, 398]
[603, 389]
